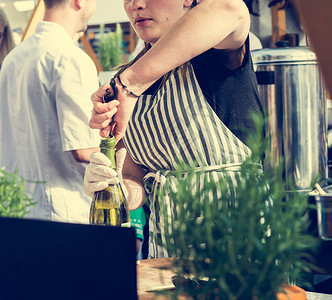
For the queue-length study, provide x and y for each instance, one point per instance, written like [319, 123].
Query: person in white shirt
[45, 88]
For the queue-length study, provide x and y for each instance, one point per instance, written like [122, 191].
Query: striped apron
[175, 126]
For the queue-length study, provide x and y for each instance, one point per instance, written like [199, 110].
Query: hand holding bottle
[99, 175]
[109, 206]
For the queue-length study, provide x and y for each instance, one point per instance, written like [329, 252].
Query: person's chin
[149, 38]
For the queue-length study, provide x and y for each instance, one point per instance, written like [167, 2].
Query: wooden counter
[154, 274]
[151, 277]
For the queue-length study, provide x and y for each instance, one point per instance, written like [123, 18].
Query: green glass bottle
[110, 206]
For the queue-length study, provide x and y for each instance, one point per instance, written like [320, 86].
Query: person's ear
[79, 3]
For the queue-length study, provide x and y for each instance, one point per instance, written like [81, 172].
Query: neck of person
[62, 18]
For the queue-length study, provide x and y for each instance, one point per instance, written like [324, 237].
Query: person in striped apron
[186, 98]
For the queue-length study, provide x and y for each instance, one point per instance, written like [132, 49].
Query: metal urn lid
[283, 54]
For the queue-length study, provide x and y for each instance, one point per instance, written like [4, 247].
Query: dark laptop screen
[52, 260]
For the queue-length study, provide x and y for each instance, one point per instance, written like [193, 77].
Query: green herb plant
[109, 48]
[237, 240]
[14, 201]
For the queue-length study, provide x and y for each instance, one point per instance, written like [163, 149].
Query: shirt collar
[53, 28]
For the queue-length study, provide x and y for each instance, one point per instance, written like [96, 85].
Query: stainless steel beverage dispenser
[293, 96]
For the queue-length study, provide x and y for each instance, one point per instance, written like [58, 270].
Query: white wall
[108, 11]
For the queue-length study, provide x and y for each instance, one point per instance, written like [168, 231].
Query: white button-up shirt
[45, 88]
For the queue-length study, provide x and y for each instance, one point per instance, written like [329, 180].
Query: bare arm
[220, 24]
[133, 179]
[83, 155]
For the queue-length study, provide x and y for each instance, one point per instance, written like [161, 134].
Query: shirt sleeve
[77, 81]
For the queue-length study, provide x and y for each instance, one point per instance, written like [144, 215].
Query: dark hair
[193, 4]
[250, 4]
[8, 42]
[52, 3]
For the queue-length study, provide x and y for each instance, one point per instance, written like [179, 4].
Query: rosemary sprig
[247, 238]
[14, 201]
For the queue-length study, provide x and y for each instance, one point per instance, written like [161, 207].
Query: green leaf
[246, 235]
[14, 200]
[109, 48]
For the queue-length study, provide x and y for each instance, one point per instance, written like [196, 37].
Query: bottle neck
[110, 153]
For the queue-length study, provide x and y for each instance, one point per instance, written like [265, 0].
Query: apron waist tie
[159, 177]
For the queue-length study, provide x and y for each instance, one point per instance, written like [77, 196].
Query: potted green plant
[110, 51]
[14, 200]
[236, 240]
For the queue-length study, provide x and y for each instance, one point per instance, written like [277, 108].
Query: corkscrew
[109, 97]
